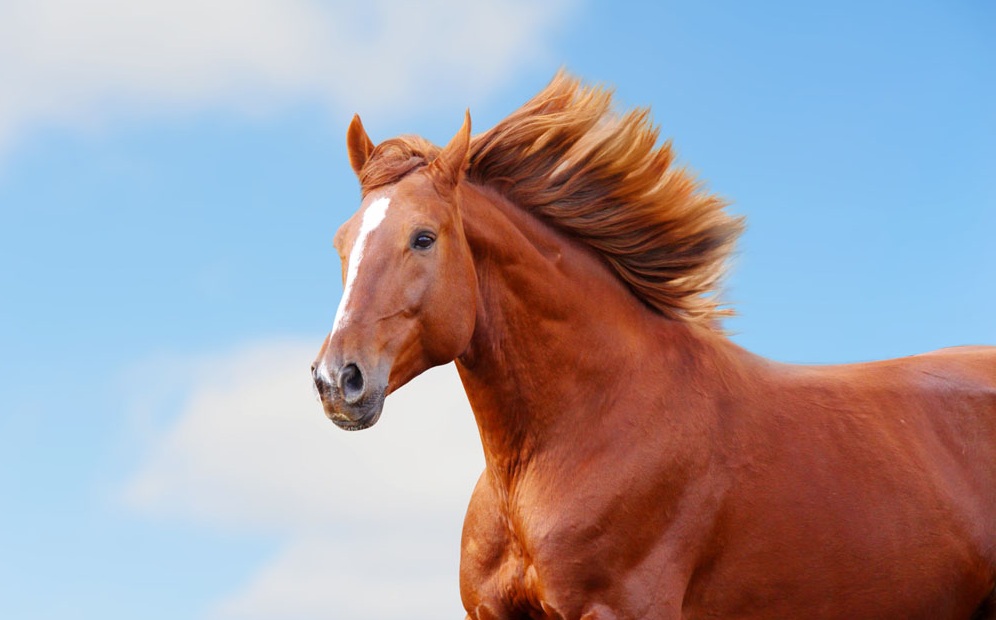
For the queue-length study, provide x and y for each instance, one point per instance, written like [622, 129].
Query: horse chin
[358, 417]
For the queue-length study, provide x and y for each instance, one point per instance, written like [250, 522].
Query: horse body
[639, 464]
[663, 468]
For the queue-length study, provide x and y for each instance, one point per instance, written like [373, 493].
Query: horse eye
[423, 241]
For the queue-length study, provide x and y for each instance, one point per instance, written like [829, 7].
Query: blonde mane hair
[599, 177]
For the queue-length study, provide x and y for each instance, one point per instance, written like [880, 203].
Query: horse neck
[556, 335]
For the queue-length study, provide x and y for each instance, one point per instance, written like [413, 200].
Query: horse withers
[639, 464]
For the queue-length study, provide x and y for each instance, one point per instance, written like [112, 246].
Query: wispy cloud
[72, 63]
[361, 515]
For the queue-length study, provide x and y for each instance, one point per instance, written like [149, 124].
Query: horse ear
[448, 168]
[358, 145]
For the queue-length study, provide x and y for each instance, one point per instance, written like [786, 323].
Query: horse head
[409, 297]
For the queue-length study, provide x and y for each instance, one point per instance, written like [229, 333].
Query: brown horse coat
[638, 463]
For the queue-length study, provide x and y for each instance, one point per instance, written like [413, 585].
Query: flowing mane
[600, 178]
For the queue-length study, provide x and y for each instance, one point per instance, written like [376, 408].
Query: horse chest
[515, 584]
[552, 551]
[498, 577]
[512, 570]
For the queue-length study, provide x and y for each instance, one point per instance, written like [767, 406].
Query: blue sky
[172, 173]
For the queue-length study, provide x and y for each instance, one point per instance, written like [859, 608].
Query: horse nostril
[351, 383]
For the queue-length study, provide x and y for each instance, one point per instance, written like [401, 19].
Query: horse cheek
[451, 312]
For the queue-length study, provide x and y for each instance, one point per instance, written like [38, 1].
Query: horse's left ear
[448, 168]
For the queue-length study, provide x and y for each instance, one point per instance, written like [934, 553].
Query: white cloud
[361, 514]
[72, 62]
[412, 576]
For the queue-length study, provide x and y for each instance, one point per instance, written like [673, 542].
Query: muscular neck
[558, 338]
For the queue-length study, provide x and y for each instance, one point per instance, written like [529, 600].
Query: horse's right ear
[448, 168]
[358, 144]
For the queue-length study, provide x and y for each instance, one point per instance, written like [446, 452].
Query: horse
[639, 464]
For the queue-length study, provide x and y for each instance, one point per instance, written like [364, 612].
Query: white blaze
[372, 218]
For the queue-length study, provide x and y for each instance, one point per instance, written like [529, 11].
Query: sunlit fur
[600, 177]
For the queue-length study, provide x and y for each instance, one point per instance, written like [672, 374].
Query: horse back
[936, 409]
[928, 419]
[959, 386]
[860, 479]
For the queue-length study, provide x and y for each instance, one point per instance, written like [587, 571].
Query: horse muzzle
[352, 397]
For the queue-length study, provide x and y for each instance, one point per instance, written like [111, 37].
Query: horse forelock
[600, 177]
[394, 159]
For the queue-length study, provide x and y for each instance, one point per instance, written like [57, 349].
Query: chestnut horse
[639, 464]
